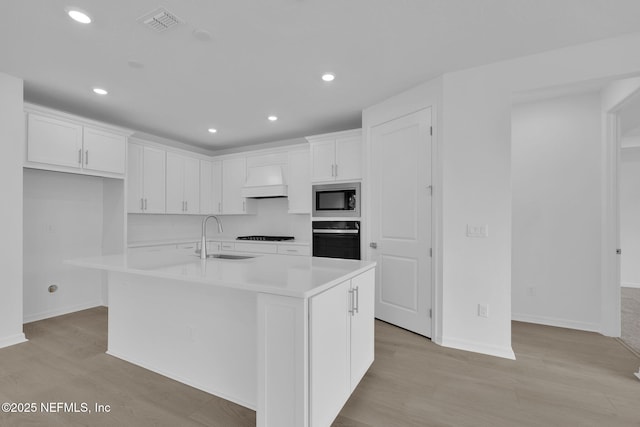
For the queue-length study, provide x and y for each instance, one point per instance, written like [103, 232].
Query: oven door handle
[334, 231]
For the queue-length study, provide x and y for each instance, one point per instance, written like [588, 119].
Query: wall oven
[336, 200]
[336, 239]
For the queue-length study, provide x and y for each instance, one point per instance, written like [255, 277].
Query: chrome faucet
[203, 240]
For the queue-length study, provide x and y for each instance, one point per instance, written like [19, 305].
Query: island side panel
[283, 367]
[201, 335]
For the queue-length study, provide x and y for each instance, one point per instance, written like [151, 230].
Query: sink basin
[229, 256]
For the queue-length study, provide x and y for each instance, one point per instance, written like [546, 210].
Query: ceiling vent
[160, 20]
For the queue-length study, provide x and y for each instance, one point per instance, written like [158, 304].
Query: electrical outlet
[477, 230]
[483, 310]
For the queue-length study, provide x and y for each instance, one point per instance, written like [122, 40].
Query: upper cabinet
[183, 184]
[336, 156]
[299, 182]
[210, 187]
[63, 144]
[234, 176]
[146, 179]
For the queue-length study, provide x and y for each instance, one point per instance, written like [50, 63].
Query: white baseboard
[478, 347]
[560, 323]
[629, 285]
[28, 318]
[12, 340]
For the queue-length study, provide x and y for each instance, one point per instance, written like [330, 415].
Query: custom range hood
[263, 182]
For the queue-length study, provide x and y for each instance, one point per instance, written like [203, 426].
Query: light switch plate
[477, 230]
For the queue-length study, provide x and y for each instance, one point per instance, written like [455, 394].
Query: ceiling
[233, 63]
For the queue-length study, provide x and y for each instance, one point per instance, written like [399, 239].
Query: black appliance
[265, 238]
[336, 200]
[336, 239]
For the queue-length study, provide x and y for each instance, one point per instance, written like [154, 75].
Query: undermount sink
[229, 256]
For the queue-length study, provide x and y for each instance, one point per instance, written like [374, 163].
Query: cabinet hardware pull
[332, 167]
[80, 156]
[352, 302]
[356, 292]
[86, 157]
[219, 207]
[145, 204]
[141, 204]
[182, 206]
[186, 206]
[336, 170]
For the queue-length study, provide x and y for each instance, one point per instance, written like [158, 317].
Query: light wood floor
[560, 378]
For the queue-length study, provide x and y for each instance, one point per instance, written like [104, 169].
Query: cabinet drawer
[293, 250]
[257, 248]
[228, 246]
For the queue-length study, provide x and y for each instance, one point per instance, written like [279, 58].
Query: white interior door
[401, 220]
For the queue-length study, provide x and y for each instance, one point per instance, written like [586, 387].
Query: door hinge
[618, 251]
[430, 252]
[431, 130]
[430, 313]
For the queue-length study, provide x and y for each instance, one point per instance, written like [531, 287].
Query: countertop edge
[238, 285]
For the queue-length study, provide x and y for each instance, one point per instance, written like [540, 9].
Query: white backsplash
[271, 218]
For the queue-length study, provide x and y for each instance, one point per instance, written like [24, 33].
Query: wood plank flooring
[561, 378]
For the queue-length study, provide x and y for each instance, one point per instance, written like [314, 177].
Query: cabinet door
[299, 182]
[135, 195]
[348, 158]
[233, 178]
[216, 173]
[175, 184]
[362, 325]
[54, 141]
[103, 151]
[191, 185]
[323, 160]
[206, 187]
[329, 341]
[153, 179]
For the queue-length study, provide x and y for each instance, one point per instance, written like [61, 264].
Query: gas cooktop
[265, 238]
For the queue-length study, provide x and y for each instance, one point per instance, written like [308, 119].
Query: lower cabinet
[341, 349]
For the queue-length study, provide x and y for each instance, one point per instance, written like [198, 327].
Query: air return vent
[159, 20]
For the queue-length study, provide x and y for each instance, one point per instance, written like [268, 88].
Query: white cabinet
[183, 184]
[65, 145]
[210, 187]
[103, 151]
[53, 141]
[336, 156]
[341, 345]
[299, 182]
[146, 179]
[234, 176]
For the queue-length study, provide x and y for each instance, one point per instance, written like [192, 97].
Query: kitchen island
[289, 337]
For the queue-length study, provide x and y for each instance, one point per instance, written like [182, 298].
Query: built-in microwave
[336, 200]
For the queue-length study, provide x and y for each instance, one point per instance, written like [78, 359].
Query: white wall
[11, 156]
[630, 216]
[271, 218]
[556, 171]
[476, 184]
[63, 219]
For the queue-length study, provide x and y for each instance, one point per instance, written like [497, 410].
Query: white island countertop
[299, 276]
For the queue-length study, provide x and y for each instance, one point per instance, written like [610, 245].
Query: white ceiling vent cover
[160, 20]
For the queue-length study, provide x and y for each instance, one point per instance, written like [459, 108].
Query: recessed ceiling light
[328, 77]
[99, 91]
[78, 16]
[272, 118]
[212, 130]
